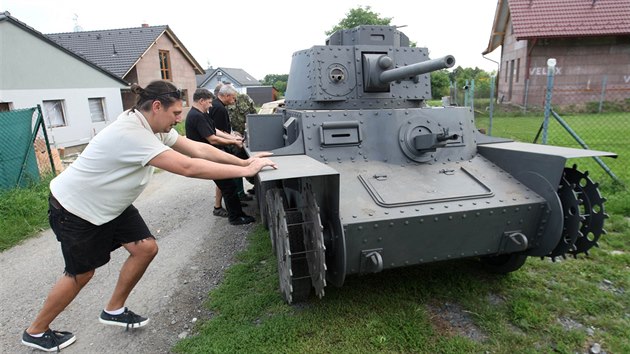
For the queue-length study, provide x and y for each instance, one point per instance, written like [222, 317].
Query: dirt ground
[195, 249]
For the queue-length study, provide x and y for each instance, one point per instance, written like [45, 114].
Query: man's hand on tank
[258, 164]
[263, 154]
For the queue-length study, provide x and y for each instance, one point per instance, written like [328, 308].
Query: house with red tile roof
[590, 40]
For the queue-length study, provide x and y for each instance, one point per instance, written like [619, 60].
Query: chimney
[145, 25]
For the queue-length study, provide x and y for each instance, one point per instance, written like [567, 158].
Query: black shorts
[86, 246]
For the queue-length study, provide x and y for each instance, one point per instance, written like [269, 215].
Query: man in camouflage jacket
[243, 106]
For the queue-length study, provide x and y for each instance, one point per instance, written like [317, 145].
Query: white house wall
[79, 127]
[33, 70]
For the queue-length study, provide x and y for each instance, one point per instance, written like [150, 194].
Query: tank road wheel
[314, 241]
[504, 263]
[572, 219]
[295, 283]
[592, 211]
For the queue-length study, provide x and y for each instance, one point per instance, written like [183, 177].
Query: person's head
[227, 94]
[161, 104]
[203, 99]
[217, 88]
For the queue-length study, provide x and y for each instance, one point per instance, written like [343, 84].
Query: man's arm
[175, 162]
[222, 138]
[205, 151]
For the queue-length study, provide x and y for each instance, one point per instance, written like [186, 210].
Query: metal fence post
[603, 95]
[466, 94]
[526, 96]
[40, 121]
[551, 67]
[491, 108]
[472, 94]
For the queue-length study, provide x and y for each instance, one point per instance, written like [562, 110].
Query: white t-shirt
[112, 171]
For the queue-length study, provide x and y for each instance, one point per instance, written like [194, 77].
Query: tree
[360, 16]
[482, 79]
[440, 84]
[278, 81]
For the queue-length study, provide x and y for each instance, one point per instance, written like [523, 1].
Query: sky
[261, 36]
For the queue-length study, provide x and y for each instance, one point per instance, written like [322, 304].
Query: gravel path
[195, 249]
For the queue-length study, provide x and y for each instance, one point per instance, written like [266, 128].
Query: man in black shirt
[200, 127]
[220, 116]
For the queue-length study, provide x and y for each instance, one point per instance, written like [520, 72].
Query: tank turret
[371, 178]
[364, 67]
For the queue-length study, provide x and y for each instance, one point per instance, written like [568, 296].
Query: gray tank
[370, 178]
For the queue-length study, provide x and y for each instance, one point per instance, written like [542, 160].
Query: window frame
[101, 101]
[62, 111]
[165, 65]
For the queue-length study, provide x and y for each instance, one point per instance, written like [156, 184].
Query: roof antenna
[77, 27]
[114, 47]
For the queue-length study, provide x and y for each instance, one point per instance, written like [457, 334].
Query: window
[5, 106]
[507, 70]
[97, 109]
[165, 65]
[518, 67]
[55, 113]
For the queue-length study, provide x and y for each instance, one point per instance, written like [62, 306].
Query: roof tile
[115, 50]
[569, 18]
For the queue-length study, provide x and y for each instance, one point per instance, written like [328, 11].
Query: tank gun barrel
[417, 68]
[378, 74]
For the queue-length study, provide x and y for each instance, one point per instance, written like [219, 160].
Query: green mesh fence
[600, 119]
[24, 149]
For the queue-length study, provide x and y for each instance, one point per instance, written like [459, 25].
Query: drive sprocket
[572, 218]
[591, 209]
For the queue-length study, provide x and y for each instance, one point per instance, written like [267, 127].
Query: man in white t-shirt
[91, 209]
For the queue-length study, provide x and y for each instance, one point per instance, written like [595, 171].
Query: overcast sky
[260, 36]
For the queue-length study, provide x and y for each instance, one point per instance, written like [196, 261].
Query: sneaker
[243, 220]
[51, 341]
[126, 319]
[220, 212]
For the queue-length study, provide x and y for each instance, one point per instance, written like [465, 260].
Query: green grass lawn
[23, 213]
[447, 307]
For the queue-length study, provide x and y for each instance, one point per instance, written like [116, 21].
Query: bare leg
[217, 198]
[60, 296]
[140, 256]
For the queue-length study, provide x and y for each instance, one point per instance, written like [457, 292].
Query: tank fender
[540, 168]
